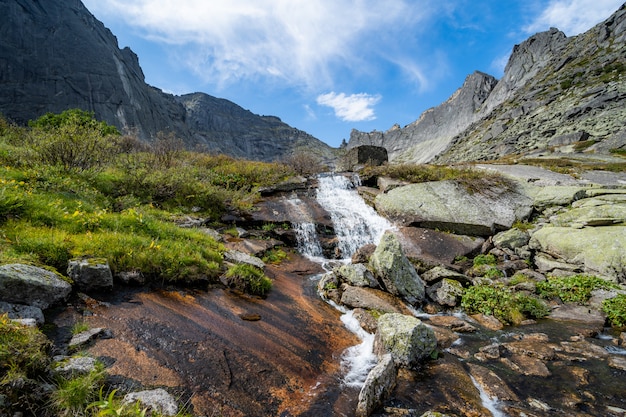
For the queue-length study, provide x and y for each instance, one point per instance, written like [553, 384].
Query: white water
[356, 224]
[357, 360]
[308, 243]
[490, 403]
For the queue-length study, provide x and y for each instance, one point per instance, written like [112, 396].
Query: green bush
[574, 288]
[249, 279]
[488, 259]
[615, 310]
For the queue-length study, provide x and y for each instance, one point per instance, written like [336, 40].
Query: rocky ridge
[555, 91]
[56, 55]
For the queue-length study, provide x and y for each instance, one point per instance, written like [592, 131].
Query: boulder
[33, 286]
[83, 338]
[431, 247]
[90, 274]
[598, 250]
[369, 299]
[448, 205]
[392, 267]
[554, 195]
[599, 211]
[364, 154]
[74, 366]
[157, 400]
[511, 239]
[438, 273]
[406, 338]
[357, 275]
[378, 386]
[446, 292]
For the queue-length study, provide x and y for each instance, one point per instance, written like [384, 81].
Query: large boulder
[378, 385]
[446, 292]
[597, 250]
[448, 205]
[33, 286]
[22, 312]
[357, 275]
[90, 274]
[406, 338]
[393, 268]
[370, 299]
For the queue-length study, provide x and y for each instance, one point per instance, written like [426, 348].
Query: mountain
[56, 55]
[555, 91]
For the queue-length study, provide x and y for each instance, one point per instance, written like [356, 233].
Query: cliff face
[555, 91]
[56, 55]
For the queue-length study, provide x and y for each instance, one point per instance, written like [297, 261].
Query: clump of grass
[572, 289]
[615, 310]
[488, 259]
[72, 396]
[274, 256]
[502, 303]
[249, 279]
[79, 327]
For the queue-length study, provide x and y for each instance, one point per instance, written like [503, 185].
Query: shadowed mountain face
[55, 55]
[555, 91]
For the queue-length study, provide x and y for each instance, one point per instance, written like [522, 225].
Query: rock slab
[33, 286]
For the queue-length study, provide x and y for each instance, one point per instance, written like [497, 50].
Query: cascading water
[356, 224]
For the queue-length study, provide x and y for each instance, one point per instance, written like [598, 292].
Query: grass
[572, 289]
[57, 204]
[249, 279]
[502, 303]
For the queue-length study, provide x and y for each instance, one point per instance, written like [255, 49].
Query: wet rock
[447, 205]
[157, 400]
[617, 362]
[250, 317]
[366, 320]
[243, 258]
[446, 292]
[253, 247]
[292, 184]
[489, 352]
[357, 275]
[22, 312]
[511, 239]
[433, 248]
[131, 277]
[377, 387]
[91, 274]
[527, 365]
[363, 254]
[74, 366]
[370, 299]
[489, 322]
[532, 348]
[392, 267]
[585, 349]
[579, 313]
[451, 322]
[406, 338]
[491, 383]
[33, 286]
[445, 337]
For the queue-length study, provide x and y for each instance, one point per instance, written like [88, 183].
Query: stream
[295, 354]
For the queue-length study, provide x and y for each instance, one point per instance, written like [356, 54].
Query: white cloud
[296, 42]
[352, 108]
[573, 16]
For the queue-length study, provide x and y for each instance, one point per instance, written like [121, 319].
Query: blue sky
[328, 66]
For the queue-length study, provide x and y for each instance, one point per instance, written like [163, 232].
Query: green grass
[572, 289]
[502, 303]
[249, 279]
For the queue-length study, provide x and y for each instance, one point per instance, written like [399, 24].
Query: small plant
[73, 395]
[501, 303]
[249, 279]
[615, 310]
[274, 256]
[488, 259]
[80, 327]
[493, 273]
[572, 289]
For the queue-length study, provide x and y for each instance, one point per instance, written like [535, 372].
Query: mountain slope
[56, 55]
[555, 91]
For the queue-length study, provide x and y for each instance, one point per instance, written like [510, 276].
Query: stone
[386, 184]
[434, 248]
[243, 258]
[617, 362]
[527, 365]
[392, 267]
[452, 322]
[20, 312]
[378, 386]
[491, 383]
[90, 274]
[83, 338]
[357, 275]
[364, 155]
[447, 205]
[365, 319]
[439, 273]
[511, 239]
[596, 250]
[406, 338]
[370, 299]
[532, 348]
[574, 312]
[157, 400]
[363, 254]
[446, 292]
[74, 366]
[33, 286]
[489, 322]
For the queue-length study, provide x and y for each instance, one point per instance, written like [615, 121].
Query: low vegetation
[249, 279]
[572, 289]
[71, 186]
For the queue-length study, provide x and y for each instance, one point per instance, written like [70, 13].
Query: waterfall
[356, 224]
[308, 243]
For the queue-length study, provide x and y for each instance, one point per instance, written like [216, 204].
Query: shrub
[574, 288]
[304, 163]
[615, 310]
[249, 279]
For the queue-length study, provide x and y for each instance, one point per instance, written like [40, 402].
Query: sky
[330, 66]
